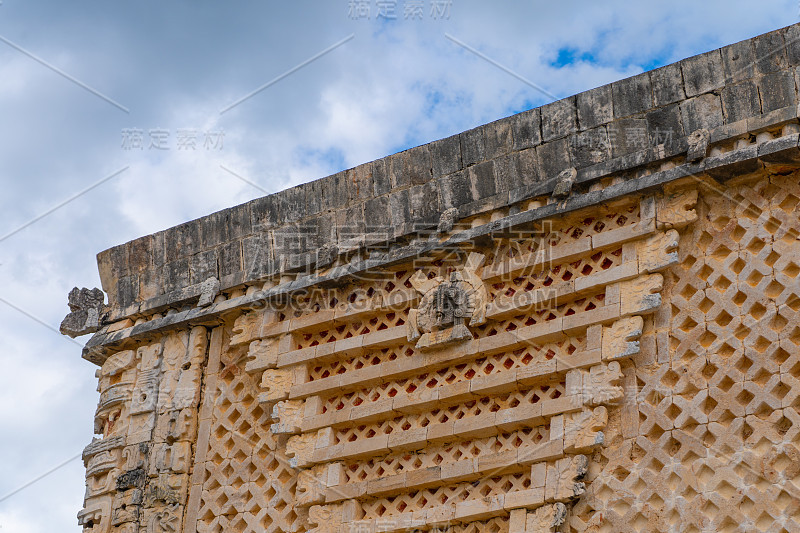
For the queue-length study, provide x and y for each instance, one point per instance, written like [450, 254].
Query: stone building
[583, 317]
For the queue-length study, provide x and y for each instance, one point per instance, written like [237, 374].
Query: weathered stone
[703, 73]
[455, 190]
[559, 119]
[564, 183]
[482, 181]
[499, 140]
[777, 90]
[770, 52]
[698, 145]
[481, 329]
[628, 135]
[208, 291]
[595, 107]
[86, 308]
[701, 112]
[740, 101]
[445, 156]
[473, 147]
[526, 129]
[738, 62]
[667, 84]
[590, 147]
[553, 158]
[631, 96]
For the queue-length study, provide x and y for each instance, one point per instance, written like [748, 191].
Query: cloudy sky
[89, 88]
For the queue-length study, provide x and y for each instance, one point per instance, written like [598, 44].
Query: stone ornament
[676, 210]
[276, 385]
[584, 430]
[564, 478]
[289, 416]
[209, 290]
[546, 518]
[448, 306]
[658, 252]
[311, 486]
[86, 308]
[621, 339]
[299, 449]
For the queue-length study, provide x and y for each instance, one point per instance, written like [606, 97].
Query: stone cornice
[783, 151]
[628, 124]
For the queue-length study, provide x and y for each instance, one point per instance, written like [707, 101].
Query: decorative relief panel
[448, 306]
[137, 474]
[564, 380]
[458, 394]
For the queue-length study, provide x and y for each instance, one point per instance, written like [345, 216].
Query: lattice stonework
[468, 390]
[709, 437]
[628, 367]
[244, 480]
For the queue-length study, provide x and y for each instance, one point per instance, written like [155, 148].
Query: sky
[119, 119]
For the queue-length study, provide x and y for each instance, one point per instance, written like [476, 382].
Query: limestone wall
[616, 348]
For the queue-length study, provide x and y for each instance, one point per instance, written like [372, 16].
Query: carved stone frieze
[448, 306]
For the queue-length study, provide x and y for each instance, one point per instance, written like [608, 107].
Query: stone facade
[580, 318]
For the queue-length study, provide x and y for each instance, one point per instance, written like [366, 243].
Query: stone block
[445, 156]
[740, 101]
[590, 147]
[257, 256]
[595, 107]
[229, 256]
[183, 240]
[777, 90]
[664, 125]
[418, 165]
[702, 73]
[377, 215]
[701, 112]
[791, 36]
[526, 129]
[455, 190]
[350, 224]
[265, 213]
[770, 52]
[553, 158]
[380, 176]
[507, 177]
[202, 266]
[473, 146]
[482, 180]
[226, 225]
[632, 95]
[559, 119]
[175, 275]
[667, 84]
[498, 138]
[628, 135]
[527, 165]
[738, 62]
